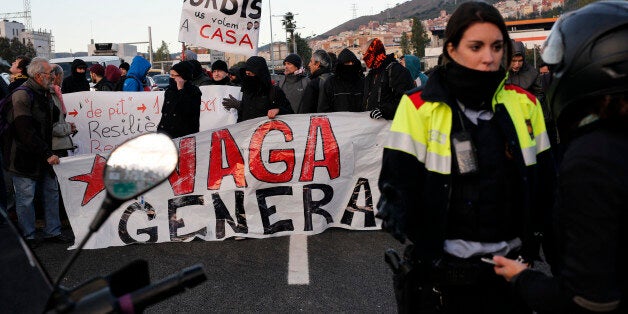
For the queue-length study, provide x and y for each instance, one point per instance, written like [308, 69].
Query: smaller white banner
[104, 120]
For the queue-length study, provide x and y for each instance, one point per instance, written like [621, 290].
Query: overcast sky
[75, 23]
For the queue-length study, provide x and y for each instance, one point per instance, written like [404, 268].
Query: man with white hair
[28, 156]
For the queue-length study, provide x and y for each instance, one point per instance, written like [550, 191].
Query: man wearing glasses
[27, 153]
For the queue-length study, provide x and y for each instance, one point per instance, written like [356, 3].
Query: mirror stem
[107, 207]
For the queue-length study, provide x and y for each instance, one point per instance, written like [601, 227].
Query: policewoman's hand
[508, 268]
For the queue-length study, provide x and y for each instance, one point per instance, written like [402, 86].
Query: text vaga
[225, 157]
[239, 225]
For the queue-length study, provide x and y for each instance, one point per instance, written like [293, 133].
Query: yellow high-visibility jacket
[417, 163]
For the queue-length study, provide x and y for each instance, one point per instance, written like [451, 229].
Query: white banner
[106, 119]
[297, 174]
[229, 26]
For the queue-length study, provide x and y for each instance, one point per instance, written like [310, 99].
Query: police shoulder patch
[520, 90]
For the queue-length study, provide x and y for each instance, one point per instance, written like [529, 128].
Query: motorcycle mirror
[139, 165]
[133, 168]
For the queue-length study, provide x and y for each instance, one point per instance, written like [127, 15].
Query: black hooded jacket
[181, 111]
[384, 87]
[344, 90]
[313, 93]
[76, 82]
[258, 93]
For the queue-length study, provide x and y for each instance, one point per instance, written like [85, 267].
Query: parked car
[150, 85]
[162, 80]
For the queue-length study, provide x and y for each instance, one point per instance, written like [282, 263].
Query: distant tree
[19, 49]
[11, 49]
[162, 54]
[5, 49]
[419, 38]
[290, 25]
[405, 44]
[303, 48]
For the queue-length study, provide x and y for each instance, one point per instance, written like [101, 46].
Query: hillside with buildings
[433, 14]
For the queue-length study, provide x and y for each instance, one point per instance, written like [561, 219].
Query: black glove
[392, 214]
[230, 102]
[376, 114]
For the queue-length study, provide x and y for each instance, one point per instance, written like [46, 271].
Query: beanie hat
[184, 69]
[125, 66]
[294, 59]
[375, 54]
[112, 73]
[220, 65]
[97, 69]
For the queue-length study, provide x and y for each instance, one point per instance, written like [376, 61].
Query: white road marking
[298, 266]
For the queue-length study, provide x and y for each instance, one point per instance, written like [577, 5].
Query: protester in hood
[260, 98]
[344, 90]
[97, 73]
[294, 80]
[220, 73]
[385, 83]
[199, 75]
[136, 75]
[113, 74]
[413, 64]
[18, 72]
[124, 69]
[521, 73]
[181, 110]
[320, 67]
[76, 82]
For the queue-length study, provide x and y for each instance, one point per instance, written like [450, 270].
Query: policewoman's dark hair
[468, 14]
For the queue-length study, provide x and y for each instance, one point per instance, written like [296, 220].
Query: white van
[66, 63]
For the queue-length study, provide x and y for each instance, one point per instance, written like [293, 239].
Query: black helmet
[587, 50]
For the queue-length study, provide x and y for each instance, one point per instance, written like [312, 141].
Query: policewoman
[467, 173]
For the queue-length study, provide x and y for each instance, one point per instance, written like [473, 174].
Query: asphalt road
[345, 271]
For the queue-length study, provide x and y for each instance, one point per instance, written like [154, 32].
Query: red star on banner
[94, 179]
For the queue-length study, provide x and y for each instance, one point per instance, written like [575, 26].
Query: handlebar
[165, 288]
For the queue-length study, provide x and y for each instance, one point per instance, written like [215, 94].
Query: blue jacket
[136, 74]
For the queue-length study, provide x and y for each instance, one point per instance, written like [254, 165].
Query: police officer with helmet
[588, 52]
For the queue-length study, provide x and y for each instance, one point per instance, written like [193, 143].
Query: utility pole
[272, 60]
[354, 8]
[150, 46]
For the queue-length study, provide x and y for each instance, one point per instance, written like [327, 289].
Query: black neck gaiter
[473, 88]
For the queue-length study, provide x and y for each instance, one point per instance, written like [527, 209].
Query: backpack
[6, 105]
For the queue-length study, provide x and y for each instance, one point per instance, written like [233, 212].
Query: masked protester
[589, 58]
[467, 173]
[76, 82]
[259, 96]
[344, 90]
[181, 110]
[385, 83]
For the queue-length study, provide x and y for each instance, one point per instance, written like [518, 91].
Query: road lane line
[298, 267]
